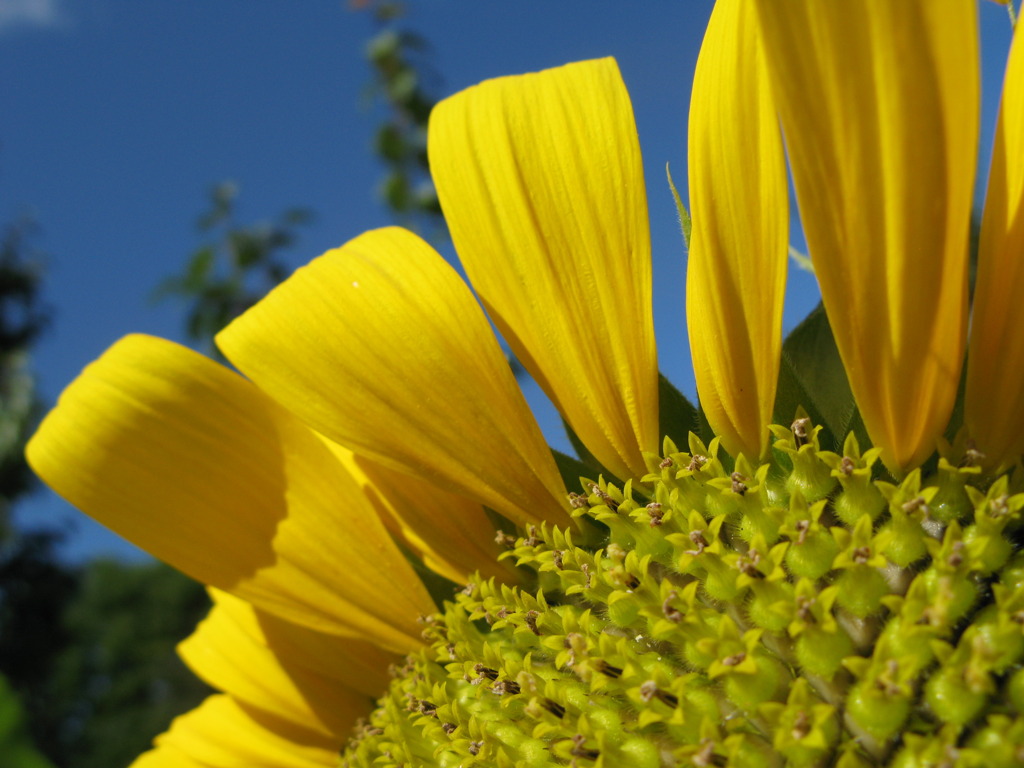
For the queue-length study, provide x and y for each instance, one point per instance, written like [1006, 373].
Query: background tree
[233, 269]
[33, 587]
[89, 650]
[402, 85]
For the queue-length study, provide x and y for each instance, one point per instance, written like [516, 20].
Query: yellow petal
[166, 757]
[994, 407]
[452, 534]
[221, 733]
[739, 201]
[381, 347]
[350, 662]
[879, 106]
[227, 656]
[542, 186]
[195, 465]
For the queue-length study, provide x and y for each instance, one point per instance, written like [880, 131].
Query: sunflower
[845, 589]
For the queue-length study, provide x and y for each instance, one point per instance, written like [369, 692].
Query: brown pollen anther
[672, 614]
[487, 672]
[801, 726]
[553, 707]
[666, 462]
[556, 558]
[531, 622]
[577, 501]
[999, 506]
[656, 513]
[739, 483]
[972, 456]
[428, 708]
[706, 757]
[697, 462]
[607, 669]
[748, 567]
[503, 687]
[799, 430]
[803, 608]
[649, 690]
[802, 528]
[578, 750]
[914, 505]
[697, 537]
[956, 557]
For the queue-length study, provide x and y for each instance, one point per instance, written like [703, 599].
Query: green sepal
[812, 375]
[685, 223]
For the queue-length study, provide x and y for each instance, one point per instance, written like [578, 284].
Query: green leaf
[684, 215]
[677, 416]
[199, 268]
[383, 47]
[586, 459]
[389, 143]
[395, 191]
[704, 430]
[812, 376]
[571, 469]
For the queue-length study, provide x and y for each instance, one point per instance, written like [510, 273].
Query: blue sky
[117, 116]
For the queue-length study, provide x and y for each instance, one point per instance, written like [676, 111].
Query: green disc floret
[803, 612]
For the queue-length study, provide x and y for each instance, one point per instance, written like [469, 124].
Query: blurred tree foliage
[16, 748]
[87, 664]
[402, 82]
[238, 264]
[33, 587]
[117, 681]
[22, 318]
[234, 269]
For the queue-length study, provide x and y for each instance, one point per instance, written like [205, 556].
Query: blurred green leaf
[397, 57]
[402, 85]
[383, 46]
[16, 749]
[396, 191]
[389, 143]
